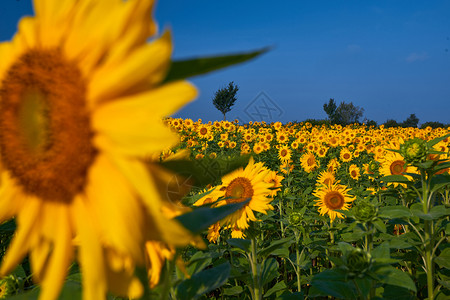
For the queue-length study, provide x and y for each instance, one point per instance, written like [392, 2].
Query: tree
[330, 109]
[347, 113]
[411, 121]
[224, 98]
[391, 123]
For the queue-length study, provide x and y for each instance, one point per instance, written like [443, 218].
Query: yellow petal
[54, 19]
[10, 198]
[134, 126]
[90, 252]
[7, 57]
[61, 256]
[141, 69]
[20, 244]
[39, 259]
[162, 228]
[117, 208]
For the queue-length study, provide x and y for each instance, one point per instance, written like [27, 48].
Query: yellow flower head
[284, 153]
[331, 198]
[81, 103]
[308, 162]
[354, 172]
[241, 185]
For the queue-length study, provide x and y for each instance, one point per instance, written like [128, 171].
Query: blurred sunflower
[392, 163]
[308, 162]
[326, 178]
[331, 198]
[354, 172]
[345, 155]
[284, 153]
[74, 100]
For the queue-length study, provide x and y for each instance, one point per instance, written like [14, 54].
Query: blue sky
[391, 58]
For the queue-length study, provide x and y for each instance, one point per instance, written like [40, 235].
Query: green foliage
[224, 98]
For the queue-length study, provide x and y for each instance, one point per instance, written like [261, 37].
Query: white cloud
[413, 57]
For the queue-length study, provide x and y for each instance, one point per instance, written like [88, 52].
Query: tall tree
[347, 113]
[330, 109]
[411, 121]
[224, 98]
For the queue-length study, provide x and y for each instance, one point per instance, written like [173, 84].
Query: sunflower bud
[8, 286]
[295, 219]
[358, 262]
[364, 211]
[414, 150]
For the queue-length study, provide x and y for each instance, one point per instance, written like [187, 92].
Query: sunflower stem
[254, 267]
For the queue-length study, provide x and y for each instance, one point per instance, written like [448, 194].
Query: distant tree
[347, 113]
[411, 121]
[224, 98]
[432, 125]
[391, 123]
[330, 109]
[371, 123]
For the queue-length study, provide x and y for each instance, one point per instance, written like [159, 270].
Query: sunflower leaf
[182, 69]
[395, 178]
[201, 172]
[201, 218]
[203, 282]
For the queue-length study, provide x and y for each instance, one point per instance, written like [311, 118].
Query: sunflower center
[45, 134]
[283, 152]
[397, 167]
[239, 190]
[353, 173]
[311, 161]
[334, 200]
[203, 131]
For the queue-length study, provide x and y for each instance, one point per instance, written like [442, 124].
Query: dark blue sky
[391, 58]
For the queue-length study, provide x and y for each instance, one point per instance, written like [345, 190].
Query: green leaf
[269, 271]
[439, 181]
[379, 225]
[197, 66]
[435, 212]
[198, 262]
[382, 252]
[279, 286]
[201, 218]
[392, 276]
[392, 212]
[437, 140]
[203, 282]
[275, 245]
[443, 260]
[240, 243]
[233, 291]
[201, 172]
[333, 282]
[345, 247]
[395, 178]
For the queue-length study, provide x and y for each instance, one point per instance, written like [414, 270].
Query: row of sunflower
[329, 185]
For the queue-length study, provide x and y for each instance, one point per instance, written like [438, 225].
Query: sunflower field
[103, 196]
[351, 212]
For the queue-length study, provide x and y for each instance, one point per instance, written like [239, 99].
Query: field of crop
[348, 212]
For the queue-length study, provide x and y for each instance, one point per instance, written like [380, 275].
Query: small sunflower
[326, 178]
[392, 163]
[75, 99]
[345, 155]
[354, 172]
[284, 153]
[331, 198]
[308, 162]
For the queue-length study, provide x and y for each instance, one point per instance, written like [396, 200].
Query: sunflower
[326, 178]
[308, 162]
[74, 101]
[392, 163]
[345, 155]
[354, 172]
[331, 198]
[241, 185]
[284, 153]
